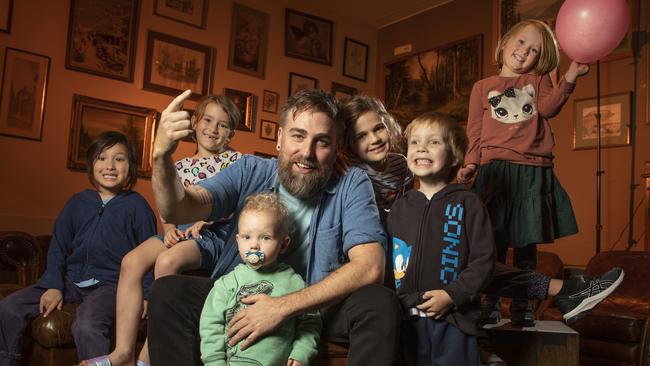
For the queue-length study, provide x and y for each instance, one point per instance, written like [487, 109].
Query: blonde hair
[549, 55]
[269, 202]
[453, 135]
[360, 105]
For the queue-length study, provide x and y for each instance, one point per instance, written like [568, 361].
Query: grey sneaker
[588, 293]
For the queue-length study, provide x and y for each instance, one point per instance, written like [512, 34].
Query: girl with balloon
[511, 151]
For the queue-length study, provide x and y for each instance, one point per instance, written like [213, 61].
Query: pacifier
[254, 258]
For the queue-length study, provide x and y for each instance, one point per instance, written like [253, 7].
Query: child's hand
[52, 298]
[436, 303]
[465, 174]
[194, 230]
[292, 362]
[576, 70]
[172, 237]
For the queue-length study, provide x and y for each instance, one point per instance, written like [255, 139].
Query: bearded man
[338, 245]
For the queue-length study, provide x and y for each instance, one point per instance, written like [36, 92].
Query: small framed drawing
[614, 122]
[308, 37]
[91, 116]
[264, 155]
[246, 103]
[270, 101]
[191, 12]
[269, 130]
[174, 65]
[24, 87]
[6, 8]
[298, 82]
[248, 39]
[355, 60]
[101, 45]
[343, 92]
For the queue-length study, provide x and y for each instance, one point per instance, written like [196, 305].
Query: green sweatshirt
[296, 338]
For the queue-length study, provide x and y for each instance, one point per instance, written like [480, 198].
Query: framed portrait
[264, 155]
[509, 13]
[298, 82]
[269, 130]
[174, 65]
[91, 116]
[102, 36]
[308, 37]
[248, 40]
[6, 9]
[190, 12]
[24, 87]
[355, 60]
[245, 101]
[343, 92]
[270, 100]
[439, 79]
[614, 122]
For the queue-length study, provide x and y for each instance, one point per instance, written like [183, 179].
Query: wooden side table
[548, 343]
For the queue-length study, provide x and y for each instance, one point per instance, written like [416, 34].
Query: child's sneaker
[490, 310]
[521, 313]
[587, 293]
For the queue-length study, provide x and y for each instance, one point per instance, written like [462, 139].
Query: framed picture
[264, 155]
[439, 79]
[6, 9]
[298, 82]
[191, 12]
[343, 92]
[270, 101]
[355, 60]
[509, 13]
[174, 65]
[246, 103]
[248, 40]
[308, 37]
[614, 122]
[24, 87]
[102, 36]
[91, 116]
[269, 130]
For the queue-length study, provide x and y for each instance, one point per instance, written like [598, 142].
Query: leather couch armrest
[21, 251]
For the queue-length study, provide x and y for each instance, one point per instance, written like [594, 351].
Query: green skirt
[527, 204]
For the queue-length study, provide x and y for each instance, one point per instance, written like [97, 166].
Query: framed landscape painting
[174, 65]
[439, 79]
[91, 116]
[102, 37]
[24, 87]
[614, 122]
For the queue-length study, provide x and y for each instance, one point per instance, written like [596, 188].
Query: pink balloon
[588, 30]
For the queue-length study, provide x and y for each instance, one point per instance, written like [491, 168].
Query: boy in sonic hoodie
[443, 247]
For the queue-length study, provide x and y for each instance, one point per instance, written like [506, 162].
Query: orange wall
[35, 182]
[576, 169]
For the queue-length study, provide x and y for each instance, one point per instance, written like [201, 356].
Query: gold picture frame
[245, 102]
[91, 116]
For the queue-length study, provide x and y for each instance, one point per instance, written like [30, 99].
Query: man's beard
[303, 186]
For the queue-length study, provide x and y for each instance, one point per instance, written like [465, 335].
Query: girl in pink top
[510, 147]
